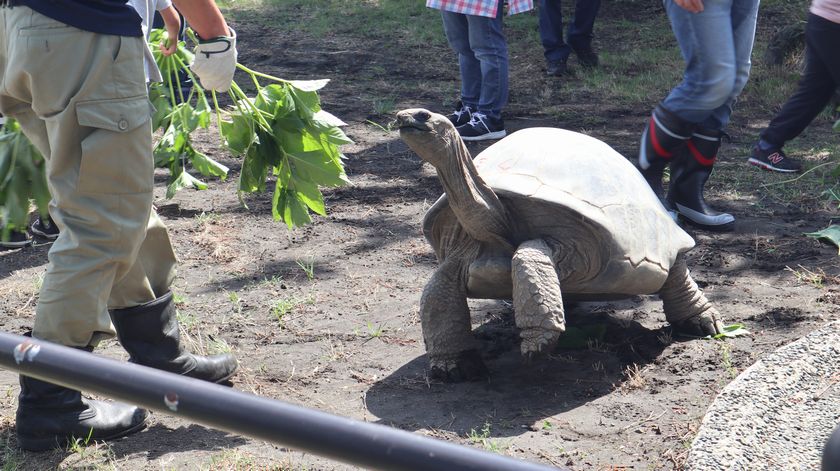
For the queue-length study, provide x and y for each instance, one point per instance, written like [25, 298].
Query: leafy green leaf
[207, 166]
[336, 136]
[202, 107]
[254, 172]
[316, 166]
[326, 120]
[288, 208]
[184, 180]
[829, 234]
[309, 194]
[237, 133]
[730, 331]
[306, 103]
[162, 104]
[309, 85]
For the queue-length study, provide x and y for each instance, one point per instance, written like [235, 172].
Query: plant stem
[218, 114]
[260, 74]
[257, 113]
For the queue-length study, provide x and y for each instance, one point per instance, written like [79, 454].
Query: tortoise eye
[422, 116]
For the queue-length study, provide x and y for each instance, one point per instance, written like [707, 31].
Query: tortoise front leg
[537, 303]
[447, 331]
[686, 307]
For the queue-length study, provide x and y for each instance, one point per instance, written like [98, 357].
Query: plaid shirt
[480, 7]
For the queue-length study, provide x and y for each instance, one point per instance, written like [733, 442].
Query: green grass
[11, 457]
[308, 267]
[282, 307]
[482, 438]
[406, 21]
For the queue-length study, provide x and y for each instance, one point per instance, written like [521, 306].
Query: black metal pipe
[343, 439]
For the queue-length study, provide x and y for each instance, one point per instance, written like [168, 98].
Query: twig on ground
[791, 180]
[650, 418]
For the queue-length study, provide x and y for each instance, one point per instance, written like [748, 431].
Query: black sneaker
[775, 160]
[44, 228]
[16, 240]
[482, 127]
[461, 115]
[587, 57]
[556, 68]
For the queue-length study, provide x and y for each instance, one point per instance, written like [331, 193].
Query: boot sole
[728, 227]
[56, 441]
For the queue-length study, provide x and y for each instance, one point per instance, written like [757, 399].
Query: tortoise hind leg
[686, 307]
[445, 320]
[537, 302]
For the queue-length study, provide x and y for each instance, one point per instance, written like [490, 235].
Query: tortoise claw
[538, 343]
[706, 323]
[455, 368]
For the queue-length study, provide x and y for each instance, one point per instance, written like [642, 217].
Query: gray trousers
[81, 98]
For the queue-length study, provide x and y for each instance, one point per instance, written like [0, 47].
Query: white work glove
[215, 61]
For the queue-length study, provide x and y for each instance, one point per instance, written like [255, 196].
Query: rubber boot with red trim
[664, 137]
[689, 173]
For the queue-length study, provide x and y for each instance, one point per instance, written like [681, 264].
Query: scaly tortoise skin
[542, 215]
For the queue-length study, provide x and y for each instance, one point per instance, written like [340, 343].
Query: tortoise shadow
[516, 396]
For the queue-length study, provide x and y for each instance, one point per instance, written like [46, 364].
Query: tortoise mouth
[414, 128]
[414, 120]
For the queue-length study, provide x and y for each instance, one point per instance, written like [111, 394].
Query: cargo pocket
[117, 147]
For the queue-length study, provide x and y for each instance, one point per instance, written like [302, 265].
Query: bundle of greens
[22, 179]
[281, 130]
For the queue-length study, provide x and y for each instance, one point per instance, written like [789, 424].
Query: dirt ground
[327, 316]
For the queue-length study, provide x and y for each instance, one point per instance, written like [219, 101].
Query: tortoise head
[430, 135]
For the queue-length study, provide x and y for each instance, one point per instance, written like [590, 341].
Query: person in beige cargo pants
[72, 74]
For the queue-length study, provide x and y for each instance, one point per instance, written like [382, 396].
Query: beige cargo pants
[81, 98]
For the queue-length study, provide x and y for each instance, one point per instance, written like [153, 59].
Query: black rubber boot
[50, 416]
[664, 136]
[689, 173]
[150, 334]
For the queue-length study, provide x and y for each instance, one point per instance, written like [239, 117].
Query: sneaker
[556, 68]
[482, 127]
[461, 115]
[775, 160]
[44, 227]
[587, 57]
[16, 240]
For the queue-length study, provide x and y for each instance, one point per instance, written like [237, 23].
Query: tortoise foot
[458, 367]
[706, 323]
[538, 342]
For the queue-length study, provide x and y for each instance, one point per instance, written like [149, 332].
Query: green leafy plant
[22, 179]
[283, 307]
[483, 438]
[730, 331]
[178, 112]
[308, 267]
[829, 234]
[281, 132]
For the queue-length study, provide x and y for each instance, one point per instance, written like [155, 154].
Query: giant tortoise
[542, 215]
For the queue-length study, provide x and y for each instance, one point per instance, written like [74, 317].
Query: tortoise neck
[474, 203]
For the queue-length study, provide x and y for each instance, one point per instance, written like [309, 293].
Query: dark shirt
[99, 16]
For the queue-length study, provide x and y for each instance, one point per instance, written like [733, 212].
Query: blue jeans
[716, 45]
[482, 58]
[579, 34]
